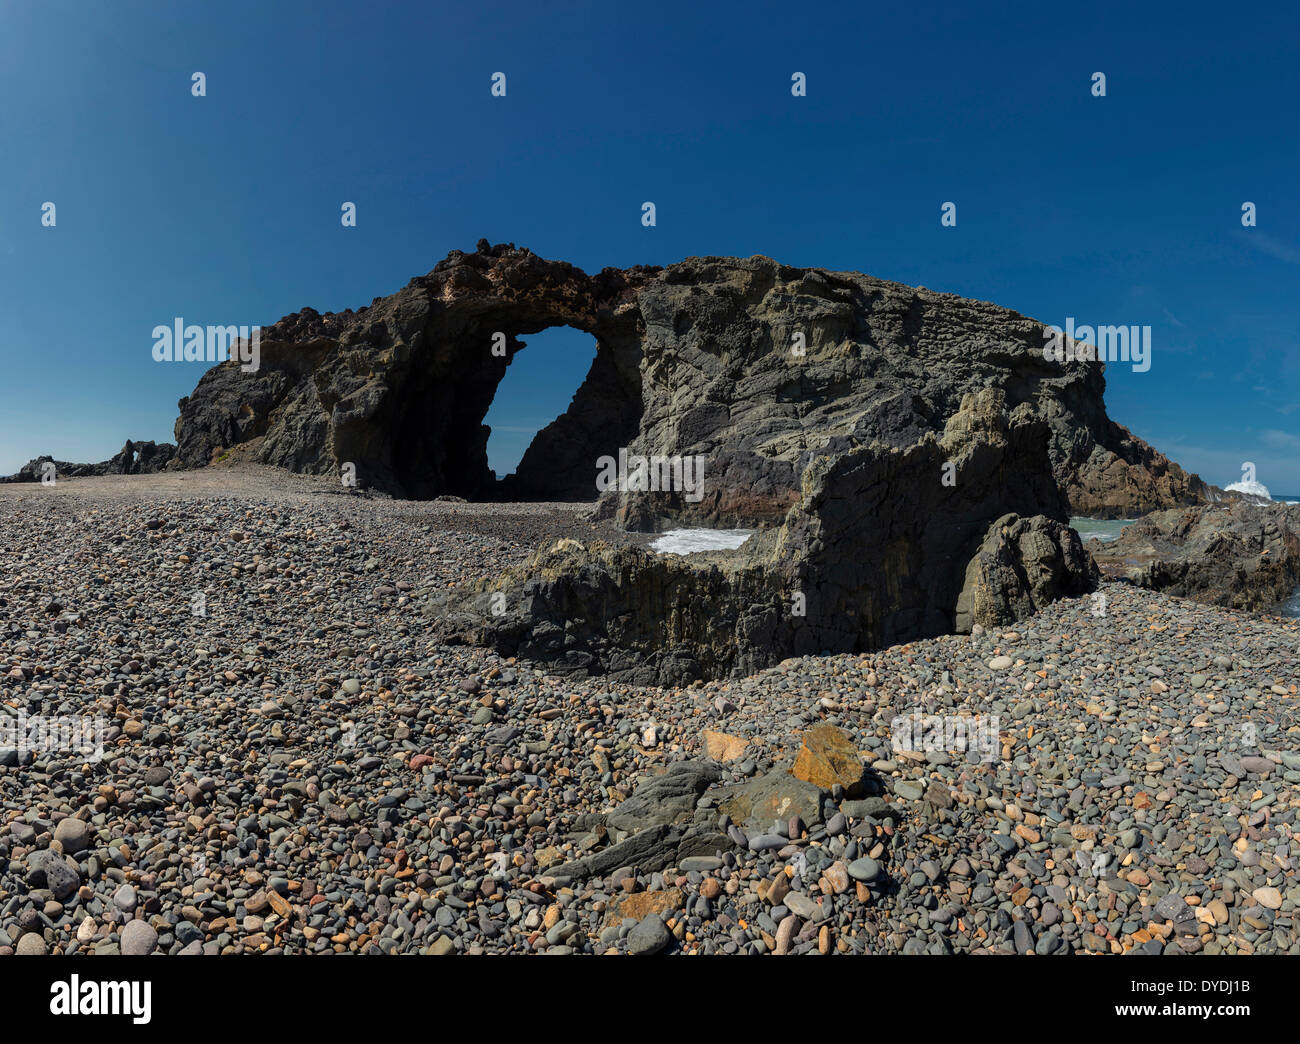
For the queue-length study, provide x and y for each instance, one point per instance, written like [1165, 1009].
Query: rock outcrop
[135, 458]
[399, 389]
[642, 618]
[757, 368]
[1023, 564]
[873, 432]
[659, 825]
[1114, 474]
[875, 551]
[1240, 555]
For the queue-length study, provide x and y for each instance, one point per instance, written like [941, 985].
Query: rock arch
[697, 359]
[400, 388]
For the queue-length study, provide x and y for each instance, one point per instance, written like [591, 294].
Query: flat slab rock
[828, 758]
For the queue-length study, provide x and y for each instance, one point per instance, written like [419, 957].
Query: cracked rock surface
[755, 366]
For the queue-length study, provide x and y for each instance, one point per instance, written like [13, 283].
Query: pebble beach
[291, 763]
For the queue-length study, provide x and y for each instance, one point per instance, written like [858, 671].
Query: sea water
[690, 541]
[1103, 529]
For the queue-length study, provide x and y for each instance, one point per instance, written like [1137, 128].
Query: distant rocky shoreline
[134, 458]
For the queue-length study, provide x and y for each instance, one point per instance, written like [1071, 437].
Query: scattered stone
[723, 747]
[73, 834]
[1269, 898]
[138, 939]
[649, 936]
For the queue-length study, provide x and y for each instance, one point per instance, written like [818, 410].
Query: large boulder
[1022, 565]
[659, 825]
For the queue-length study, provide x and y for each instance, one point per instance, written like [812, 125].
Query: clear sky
[1123, 209]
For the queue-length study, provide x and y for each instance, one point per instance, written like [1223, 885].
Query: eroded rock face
[880, 540]
[1023, 564]
[881, 362]
[874, 552]
[134, 458]
[642, 618]
[1121, 476]
[756, 367]
[872, 431]
[1239, 554]
[399, 389]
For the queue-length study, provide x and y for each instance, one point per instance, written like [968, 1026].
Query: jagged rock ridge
[755, 366]
[1238, 554]
[134, 458]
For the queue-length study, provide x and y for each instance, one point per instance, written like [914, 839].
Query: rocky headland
[878, 435]
[758, 366]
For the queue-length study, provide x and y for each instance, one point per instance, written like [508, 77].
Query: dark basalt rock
[645, 619]
[1023, 564]
[877, 550]
[665, 799]
[1239, 554]
[400, 388]
[872, 431]
[757, 367]
[135, 458]
[659, 825]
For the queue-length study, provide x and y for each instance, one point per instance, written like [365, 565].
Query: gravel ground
[301, 770]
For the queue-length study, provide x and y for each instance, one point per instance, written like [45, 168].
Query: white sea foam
[689, 541]
[1102, 529]
[1291, 607]
[1253, 489]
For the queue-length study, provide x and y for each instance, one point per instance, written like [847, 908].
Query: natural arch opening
[603, 415]
[539, 385]
[447, 410]
[407, 399]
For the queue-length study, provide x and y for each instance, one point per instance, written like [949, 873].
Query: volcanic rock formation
[135, 458]
[399, 389]
[1239, 554]
[755, 366]
[879, 548]
[911, 458]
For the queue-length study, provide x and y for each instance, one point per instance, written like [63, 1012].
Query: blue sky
[225, 209]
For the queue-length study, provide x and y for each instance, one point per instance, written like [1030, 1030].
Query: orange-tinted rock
[723, 747]
[642, 904]
[827, 757]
